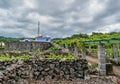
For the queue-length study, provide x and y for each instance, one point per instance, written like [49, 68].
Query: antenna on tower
[38, 28]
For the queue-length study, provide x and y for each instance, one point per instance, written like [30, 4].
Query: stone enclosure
[27, 45]
[42, 69]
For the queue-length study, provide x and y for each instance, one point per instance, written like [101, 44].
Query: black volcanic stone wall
[45, 69]
[27, 45]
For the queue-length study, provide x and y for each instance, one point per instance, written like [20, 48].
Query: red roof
[39, 36]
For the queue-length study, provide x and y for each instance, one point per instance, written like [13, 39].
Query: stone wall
[27, 45]
[47, 69]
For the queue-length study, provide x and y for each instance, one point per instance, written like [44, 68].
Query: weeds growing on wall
[53, 48]
[93, 66]
[8, 57]
[53, 56]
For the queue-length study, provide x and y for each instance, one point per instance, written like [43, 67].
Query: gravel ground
[102, 80]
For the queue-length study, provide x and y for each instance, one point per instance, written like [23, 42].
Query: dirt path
[92, 59]
[116, 69]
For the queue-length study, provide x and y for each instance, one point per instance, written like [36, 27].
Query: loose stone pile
[44, 69]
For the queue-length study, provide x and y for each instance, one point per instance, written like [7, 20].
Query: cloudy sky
[58, 18]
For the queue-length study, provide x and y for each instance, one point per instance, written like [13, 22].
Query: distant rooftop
[39, 36]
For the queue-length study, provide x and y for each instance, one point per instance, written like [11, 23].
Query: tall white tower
[38, 28]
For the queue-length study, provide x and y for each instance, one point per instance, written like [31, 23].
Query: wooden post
[66, 46]
[75, 51]
[90, 50]
[1, 44]
[83, 52]
[115, 51]
[102, 59]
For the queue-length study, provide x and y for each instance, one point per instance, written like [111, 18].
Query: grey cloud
[10, 3]
[59, 17]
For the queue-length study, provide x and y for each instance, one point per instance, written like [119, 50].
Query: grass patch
[7, 57]
[93, 66]
[53, 48]
[53, 56]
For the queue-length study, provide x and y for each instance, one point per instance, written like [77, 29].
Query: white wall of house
[2, 44]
